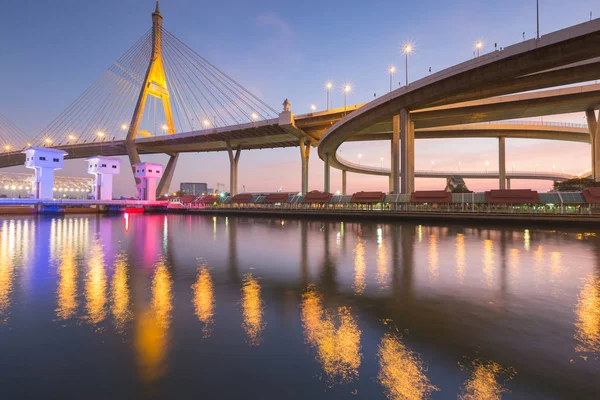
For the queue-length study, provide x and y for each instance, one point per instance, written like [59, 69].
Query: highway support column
[593, 126]
[344, 182]
[502, 161]
[326, 175]
[407, 148]
[395, 156]
[165, 181]
[304, 154]
[234, 159]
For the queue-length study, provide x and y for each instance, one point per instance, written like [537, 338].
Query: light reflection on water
[313, 304]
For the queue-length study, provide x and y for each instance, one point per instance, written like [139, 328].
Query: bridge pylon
[154, 84]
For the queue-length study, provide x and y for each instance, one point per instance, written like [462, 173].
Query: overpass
[212, 112]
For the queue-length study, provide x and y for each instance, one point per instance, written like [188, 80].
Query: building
[148, 174]
[44, 161]
[193, 188]
[103, 168]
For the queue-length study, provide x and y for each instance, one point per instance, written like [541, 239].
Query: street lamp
[478, 45]
[359, 157]
[48, 141]
[72, 137]
[432, 165]
[347, 89]
[487, 163]
[254, 116]
[313, 107]
[124, 127]
[391, 69]
[328, 87]
[381, 163]
[7, 147]
[100, 135]
[407, 49]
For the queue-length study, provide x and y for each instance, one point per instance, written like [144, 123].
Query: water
[200, 307]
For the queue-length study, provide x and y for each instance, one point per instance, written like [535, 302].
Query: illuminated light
[204, 300]
[206, 122]
[337, 348]
[48, 140]
[29, 144]
[282, 222]
[7, 147]
[254, 116]
[392, 69]
[401, 371]
[20, 187]
[222, 194]
[13, 187]
[337, 192]
[120, 305]
[526, 240]
[6, 187]
[478, 44]
[347, 88]
[54, 189]
[461, 257]
[165, 127]
[433, 258]
[252, 310]
[484, 381]
[100, 134]
[587, 312]
[407, 48]
[72, 137]
[360, 267]
[328, 85]
[313, 107]
[124, 127]
[95, 286]
[161, 295]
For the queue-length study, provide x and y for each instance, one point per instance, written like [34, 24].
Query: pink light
[126, 216]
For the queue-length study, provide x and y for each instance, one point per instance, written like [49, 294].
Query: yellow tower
[155, 84]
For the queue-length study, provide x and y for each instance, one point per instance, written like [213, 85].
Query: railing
[33, 202]
[535, 123]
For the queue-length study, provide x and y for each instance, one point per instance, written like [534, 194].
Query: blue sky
[52, 51]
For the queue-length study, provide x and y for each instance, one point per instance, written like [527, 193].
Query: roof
[103, 158]
[276, 198]
[592, 195]
[148, 164]
[241, 198]
[49, 150]
[514, 196]
[205, 199]
[317, 197]
[368, 197]
[431, 196]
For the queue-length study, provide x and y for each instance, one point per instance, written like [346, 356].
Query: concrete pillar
[304, 154]
[165, 182]
[344, 182]
[407, 143]
[502, 161]
[593, 128]
[395, 156]
[326, 175]
[234, 159]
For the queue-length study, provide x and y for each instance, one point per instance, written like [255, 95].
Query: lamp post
[313, 107]
[359, 157]
[432, 165]
[537, 17]
[391, 69]
[407, 50]
[487, 163]
[347, 89]
[459, 164]
[328, 87]
[478, 45]
[381, 163]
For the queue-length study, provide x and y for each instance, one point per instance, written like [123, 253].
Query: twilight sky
[52, 51]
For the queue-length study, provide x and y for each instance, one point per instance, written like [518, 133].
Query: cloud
[277, 24]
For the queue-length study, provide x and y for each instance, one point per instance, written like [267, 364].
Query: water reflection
[95, 285]
[7, 247]
[338, 348]
[588, 316]
[401, 371]
[360, 266]
[488, 261]
[461, 257]
[152, 326]
[204, 299]
[252, 310]
[485, 381]
[66, 291]
[382, 265]
[433, 257]
[120, 305]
